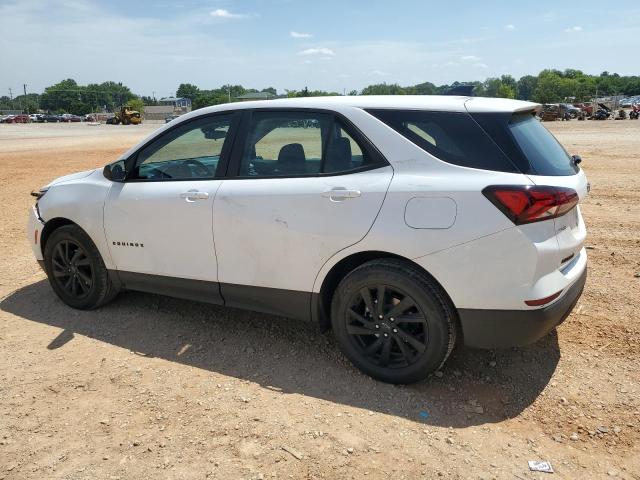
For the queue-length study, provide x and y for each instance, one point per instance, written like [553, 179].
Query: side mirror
[116, 172]
[576, 159]
[213, 133]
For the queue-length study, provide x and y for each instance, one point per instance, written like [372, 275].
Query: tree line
[549, 86]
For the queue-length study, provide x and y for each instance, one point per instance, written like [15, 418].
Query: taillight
[531, 203]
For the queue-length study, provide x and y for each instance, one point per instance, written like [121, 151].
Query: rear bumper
[514, 328]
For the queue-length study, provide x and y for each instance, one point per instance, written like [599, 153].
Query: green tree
[187, 90]
[526, 86]
[136, 104]
[505, 91]
[548, 87]
[383, 89]
[426, 88]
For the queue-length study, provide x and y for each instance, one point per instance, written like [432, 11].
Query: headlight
[40, 193]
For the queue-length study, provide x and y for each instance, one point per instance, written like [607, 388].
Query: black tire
[414, 332]
[75, 269]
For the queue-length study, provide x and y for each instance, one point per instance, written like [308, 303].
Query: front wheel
[393, 321]
[75, 269]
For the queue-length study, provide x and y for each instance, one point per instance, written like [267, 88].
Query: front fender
[80, 201]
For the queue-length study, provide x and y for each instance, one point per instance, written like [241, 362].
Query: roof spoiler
[461, 90]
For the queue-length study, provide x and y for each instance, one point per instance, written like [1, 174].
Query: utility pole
[26, 99]
[11, 97]
[229, 92]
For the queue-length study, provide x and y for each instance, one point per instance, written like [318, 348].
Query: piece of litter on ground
[540, 466]
[424, 414]
[293, 452]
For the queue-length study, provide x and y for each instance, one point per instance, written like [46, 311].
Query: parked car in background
[51, 118]
[405, 223]
[67, 117]
[629, 101]
[170, 118]
[585, 107]
[5, 118]
[572, 110]
[22, 118]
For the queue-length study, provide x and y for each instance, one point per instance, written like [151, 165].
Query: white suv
[402, 223]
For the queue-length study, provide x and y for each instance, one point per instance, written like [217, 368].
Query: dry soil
[153, 387]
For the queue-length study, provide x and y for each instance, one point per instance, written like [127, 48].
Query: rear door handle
[338, 194]
[193, 195]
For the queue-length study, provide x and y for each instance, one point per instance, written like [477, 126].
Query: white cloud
[379, 73]
[470, 58]
[577, 28]
[480, 65]
[510, 27]
[306, 62]
[318, 51]
[300, 34]
[222, 13]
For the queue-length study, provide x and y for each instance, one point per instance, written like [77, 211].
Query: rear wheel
[75, 269]
[393, 321]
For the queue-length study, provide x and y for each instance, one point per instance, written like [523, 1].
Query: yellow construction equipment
[126, 116]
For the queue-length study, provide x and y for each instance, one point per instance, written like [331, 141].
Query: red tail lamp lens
[530, 203]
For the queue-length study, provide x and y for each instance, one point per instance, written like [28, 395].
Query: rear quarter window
[452, 137]
[527, 143]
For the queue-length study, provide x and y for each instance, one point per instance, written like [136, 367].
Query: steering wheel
[199, 168]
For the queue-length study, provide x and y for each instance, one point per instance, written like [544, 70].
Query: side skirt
[287, 303]
[186, 288]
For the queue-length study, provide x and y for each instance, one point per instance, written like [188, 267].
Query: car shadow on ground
[477, 387]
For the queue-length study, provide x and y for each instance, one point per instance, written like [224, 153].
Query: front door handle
[338, 194]
[193, 195]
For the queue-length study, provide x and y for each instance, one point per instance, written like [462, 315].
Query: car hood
[72, 176]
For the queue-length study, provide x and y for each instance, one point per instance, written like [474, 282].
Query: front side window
[188, 152]
[284, 144]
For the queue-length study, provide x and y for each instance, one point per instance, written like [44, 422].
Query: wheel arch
[52, 225]
[322, 300]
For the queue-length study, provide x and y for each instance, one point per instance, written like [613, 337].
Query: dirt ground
[153, 387]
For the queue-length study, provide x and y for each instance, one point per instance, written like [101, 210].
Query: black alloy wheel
[393, 320]
[76, 270]
[72, 269]
[387, 326]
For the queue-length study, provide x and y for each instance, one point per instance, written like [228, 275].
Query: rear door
[303, 185]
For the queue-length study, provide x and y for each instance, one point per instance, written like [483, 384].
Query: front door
[305, 189]
[159, 221]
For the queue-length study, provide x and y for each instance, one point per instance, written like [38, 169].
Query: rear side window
[300, 143]
[527, 143]
[543, 152]
[450, 136]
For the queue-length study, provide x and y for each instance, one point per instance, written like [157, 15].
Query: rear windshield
[450, 136]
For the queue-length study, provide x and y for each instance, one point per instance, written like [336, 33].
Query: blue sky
[154, 45]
